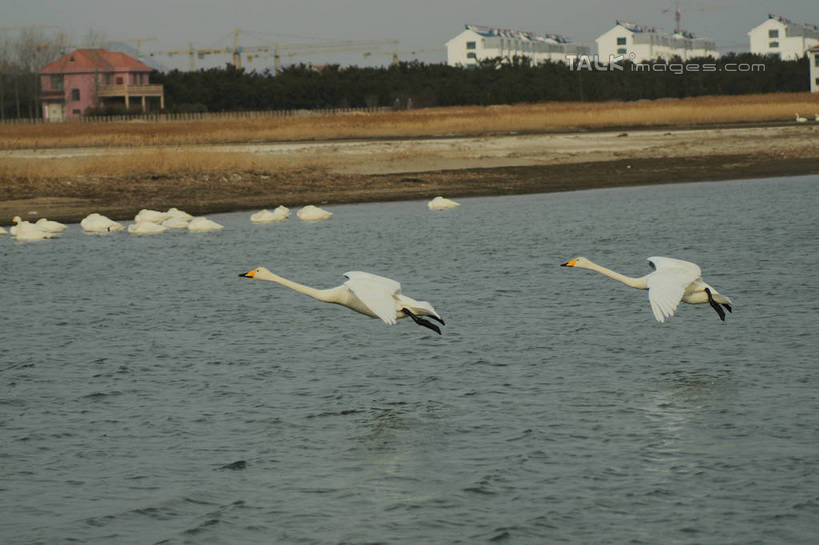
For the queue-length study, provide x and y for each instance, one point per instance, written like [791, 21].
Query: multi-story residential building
[87, 78]
[640, 43]
[477, 43]
[782, 37]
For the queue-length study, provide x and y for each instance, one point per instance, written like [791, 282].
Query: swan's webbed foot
[716, 306]
[423, 322]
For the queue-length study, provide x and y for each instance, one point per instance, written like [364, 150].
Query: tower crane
[292, 50]
[677, 12]
[395, 53]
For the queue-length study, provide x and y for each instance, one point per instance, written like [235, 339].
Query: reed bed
[468, 120]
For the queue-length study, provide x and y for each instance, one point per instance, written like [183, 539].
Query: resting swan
[672, 281]
[313, 213]
[97, 224]
[50, 226]
[369, 294]
[26, 231]
[441, 203]
[800, 119]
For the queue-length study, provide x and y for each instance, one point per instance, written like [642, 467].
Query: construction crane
[293, 50]
[677, 12]
[395, 53]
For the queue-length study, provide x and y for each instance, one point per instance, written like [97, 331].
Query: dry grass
[151, 149]
[424, 122]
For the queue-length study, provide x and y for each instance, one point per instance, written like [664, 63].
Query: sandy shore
[385, 169]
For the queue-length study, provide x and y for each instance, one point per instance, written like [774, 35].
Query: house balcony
[129, 90]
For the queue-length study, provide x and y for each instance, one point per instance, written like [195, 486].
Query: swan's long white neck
[638, 283]
[328, 296]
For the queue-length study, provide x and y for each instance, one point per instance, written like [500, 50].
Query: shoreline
[202, 195]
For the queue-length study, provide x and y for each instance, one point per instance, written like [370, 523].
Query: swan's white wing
[668, 283]
[376, 292]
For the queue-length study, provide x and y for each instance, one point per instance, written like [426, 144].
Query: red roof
[94, 60]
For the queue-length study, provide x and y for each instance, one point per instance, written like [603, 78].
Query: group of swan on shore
[672, 281]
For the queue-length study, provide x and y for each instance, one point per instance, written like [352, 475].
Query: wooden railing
[205, 116]
[130, 90]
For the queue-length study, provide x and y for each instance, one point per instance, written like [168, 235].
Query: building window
[75, 94]
[119, 80]
[773, 34]
[621, 50]
[621, 40]
[75, 112]
[57, 82]
[816, 60]
[773, 44]
[471, 56]
[470, 45]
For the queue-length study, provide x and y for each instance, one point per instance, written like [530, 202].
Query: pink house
[88, 78]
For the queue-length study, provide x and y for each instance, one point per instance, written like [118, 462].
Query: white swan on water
[175, 222]
[369, 294]
[50, 226]
[25, 231]
[95, 223]
[800, 119]
[203, 225]
[672, 281]
[146, 228]
[154, 216]
[441, 203]
[313, 213]
[280, 213]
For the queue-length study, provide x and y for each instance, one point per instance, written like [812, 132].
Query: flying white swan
[313, 213]
[369, 294]
[672, 281]
[440, 203]
[800, 119]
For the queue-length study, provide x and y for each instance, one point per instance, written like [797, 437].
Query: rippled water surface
[150, 395]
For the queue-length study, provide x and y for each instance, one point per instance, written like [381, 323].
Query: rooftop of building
[517, 34]
[94, 60]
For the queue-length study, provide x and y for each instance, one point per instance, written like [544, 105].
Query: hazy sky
[416, 24]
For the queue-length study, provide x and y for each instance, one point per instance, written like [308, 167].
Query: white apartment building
[813, 61]
[782, 37]
[477, 43]
[640, 43]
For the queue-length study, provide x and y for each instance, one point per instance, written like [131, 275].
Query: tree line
[416, 84]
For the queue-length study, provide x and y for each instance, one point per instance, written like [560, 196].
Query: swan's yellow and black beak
[249, 274]
[569, 263]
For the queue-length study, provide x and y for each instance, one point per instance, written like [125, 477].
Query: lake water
[150, 395]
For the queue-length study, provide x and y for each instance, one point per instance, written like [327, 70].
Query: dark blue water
[149, 395]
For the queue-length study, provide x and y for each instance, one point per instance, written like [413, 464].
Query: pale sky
[416, 24]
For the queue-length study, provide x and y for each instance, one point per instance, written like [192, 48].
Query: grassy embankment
[152, 149]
